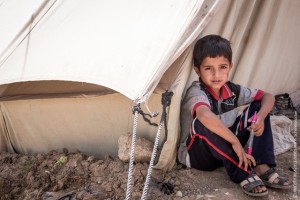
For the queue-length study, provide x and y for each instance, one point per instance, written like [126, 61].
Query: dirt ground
[67, 175]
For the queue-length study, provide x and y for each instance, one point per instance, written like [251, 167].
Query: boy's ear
[197, 70]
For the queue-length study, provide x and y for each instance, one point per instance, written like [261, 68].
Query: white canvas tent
[73, 70]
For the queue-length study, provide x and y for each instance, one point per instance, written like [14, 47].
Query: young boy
[212, 132]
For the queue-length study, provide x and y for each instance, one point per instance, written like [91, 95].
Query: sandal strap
[267, 174]
[282, 180]
[273, 177]
[249, 179]
[251, 182]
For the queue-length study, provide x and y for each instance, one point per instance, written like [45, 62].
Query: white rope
[145, 190]
[166, 100]
[130, 170]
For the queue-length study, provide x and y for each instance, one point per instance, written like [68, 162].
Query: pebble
[179, 193]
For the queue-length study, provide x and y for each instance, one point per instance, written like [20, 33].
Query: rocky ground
[65, 175]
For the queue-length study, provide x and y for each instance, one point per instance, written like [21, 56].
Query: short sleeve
[249, 95]
[194, 98]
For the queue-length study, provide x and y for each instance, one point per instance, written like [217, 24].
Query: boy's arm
[214, 124]
[267, 103]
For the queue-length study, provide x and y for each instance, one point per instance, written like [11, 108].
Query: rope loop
[137, 108]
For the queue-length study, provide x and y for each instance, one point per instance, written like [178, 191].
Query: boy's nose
[215, 72]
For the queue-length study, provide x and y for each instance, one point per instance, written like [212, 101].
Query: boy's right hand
[244, 158]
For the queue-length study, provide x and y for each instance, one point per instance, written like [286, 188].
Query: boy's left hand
[258, 127]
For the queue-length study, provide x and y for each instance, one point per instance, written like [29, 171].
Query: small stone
[179, 193]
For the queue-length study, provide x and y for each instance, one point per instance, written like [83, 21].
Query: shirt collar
[225, 91]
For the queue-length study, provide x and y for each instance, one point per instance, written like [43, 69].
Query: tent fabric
[272, 44]
[72, 40]
[19, 14]
[74, 71]
[49, 89]
[91, 124]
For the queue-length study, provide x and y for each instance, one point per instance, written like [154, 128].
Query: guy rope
[166, 101]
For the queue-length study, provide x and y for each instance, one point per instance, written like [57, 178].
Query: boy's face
[214, 72]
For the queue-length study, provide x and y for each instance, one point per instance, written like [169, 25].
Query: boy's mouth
[216, 81]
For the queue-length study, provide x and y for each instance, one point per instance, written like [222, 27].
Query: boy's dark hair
[211, 46]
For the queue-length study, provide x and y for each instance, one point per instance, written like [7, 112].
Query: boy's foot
[271, 178]
[254, 186]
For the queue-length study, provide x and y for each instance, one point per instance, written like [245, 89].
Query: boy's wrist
[234, 140]
[262, 115]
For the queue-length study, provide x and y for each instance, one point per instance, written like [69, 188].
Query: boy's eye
[223, 67]
[206, 68]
